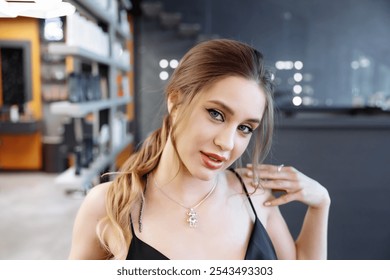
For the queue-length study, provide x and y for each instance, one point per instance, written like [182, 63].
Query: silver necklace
[192, 219]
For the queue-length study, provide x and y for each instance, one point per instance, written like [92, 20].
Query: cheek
[240, 147]
[188, 136]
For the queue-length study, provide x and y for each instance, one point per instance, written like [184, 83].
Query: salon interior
[82, 84]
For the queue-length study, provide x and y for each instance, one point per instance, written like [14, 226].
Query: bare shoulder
[258, 195]
[99, 190]
[95, 200]
[85, 242]
[258, 192]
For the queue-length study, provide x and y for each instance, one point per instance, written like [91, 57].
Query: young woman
[178, 198]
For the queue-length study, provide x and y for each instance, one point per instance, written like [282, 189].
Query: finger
[248, 173]
[281, 185]
[261, 166]
[273, 175]
[283, 199]
[285, 173]
[276, 168]
[267, 167]
[266, 170]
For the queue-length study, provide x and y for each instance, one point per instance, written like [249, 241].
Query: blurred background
[82, 87]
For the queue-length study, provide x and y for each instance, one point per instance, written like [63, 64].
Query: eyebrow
[230, 110]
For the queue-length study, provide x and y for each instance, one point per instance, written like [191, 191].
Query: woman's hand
[294, 184]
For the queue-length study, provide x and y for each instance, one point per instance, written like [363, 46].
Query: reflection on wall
[370, 82]
[343, 47]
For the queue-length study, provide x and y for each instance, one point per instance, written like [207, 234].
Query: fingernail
[267, 203]
[249, 173]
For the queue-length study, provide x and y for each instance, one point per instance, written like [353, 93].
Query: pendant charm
[192, 218]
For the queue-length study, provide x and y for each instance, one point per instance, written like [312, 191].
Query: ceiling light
[163, 63]
[173, 63]
[297, 101]
[164, 75]
[35, 8]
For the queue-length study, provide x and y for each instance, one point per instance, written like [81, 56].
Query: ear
[172, 103]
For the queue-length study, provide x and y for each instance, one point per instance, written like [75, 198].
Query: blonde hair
[200, 68]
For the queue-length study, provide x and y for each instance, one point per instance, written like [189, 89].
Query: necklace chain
[192, 215]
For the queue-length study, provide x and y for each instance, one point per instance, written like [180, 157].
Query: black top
[259, 247]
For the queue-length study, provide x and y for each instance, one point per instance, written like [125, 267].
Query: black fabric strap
[245, 189]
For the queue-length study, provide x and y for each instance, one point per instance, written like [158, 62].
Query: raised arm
[312, 240]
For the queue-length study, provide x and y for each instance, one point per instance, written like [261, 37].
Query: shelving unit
[25, 127]
[79, 110]
[110, 105]
[66, 50]
[63, 49]
[86, 179]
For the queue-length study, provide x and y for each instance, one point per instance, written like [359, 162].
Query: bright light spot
[279, 65]
[355, 65]
[297, 101]
[297, 89]
[307, 100]
[163, 63]
[272, 76]
[53, 30]
[164, 75]
[298, 77]
[289, 65]
[284, 65]
[298, 65]
[364, 62]
[173, 63]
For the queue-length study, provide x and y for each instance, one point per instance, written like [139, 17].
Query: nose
[224, 139]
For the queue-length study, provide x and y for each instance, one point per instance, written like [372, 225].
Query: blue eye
[245, 129]
[215, 115]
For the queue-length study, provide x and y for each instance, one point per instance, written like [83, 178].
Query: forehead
[239, 94]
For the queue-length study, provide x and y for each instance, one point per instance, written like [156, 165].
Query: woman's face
[220, 126]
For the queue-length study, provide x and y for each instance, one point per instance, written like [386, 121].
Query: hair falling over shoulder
[126, 191]
[201, 67]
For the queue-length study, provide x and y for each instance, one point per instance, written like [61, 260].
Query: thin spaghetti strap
[245, 189]
[131, 226]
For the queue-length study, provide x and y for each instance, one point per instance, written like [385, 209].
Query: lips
[212, 161]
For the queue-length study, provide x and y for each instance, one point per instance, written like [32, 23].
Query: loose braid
[127, 190]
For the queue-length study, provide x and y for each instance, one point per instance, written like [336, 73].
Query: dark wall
[326, 35]
[350, 156]
[331, 38]
[351, 159]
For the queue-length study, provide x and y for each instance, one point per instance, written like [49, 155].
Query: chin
[206, 174]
